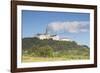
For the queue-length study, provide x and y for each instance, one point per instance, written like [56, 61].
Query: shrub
[44, 51]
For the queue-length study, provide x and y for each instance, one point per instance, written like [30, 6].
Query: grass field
[41, 59]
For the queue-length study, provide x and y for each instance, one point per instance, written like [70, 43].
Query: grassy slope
[66, 50]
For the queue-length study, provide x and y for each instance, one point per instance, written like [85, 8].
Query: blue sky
[75, 25]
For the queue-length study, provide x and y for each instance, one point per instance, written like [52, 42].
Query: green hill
[35, 47]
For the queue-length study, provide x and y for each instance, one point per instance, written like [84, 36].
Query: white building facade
[47, 36]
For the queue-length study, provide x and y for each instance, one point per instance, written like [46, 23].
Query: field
[40, 59]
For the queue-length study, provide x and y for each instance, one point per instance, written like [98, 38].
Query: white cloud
[56, 26]
[69, 26]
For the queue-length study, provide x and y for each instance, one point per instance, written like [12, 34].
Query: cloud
[56, 26]
[69, 26]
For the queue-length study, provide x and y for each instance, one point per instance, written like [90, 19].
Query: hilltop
[29, 42]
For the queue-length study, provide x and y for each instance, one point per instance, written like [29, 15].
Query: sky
[75, 26]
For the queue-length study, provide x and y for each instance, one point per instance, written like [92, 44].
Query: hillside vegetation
[34, 49]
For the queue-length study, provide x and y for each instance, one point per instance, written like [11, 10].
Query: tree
[44, 51]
